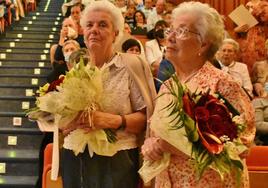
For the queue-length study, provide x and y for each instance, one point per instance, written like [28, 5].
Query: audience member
[131, 46]
[139, 24]
[75, 16]
[129, 15]
[154, 49]
[252, 42]
[156, 14]
[68, 31]
[260, 103]
[239, 71]
[148, 7]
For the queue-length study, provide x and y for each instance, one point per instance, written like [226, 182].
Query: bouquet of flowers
[204, 126]
[81, 90]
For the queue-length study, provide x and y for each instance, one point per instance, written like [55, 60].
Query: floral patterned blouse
[181, 173]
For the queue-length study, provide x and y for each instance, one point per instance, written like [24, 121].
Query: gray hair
[232, 42]
[208, 22]
[106, 6]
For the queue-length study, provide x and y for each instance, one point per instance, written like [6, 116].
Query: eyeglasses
[180, 33]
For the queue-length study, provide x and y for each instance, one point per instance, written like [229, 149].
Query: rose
[53, 85]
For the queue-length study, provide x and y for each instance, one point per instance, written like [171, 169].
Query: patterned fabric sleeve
[237, 97]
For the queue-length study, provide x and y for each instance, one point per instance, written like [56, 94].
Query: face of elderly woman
[183, 40]
[228, 54]
[99, 32]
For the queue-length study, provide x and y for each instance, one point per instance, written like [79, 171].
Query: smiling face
[186, 47]
[99, 32]
[139, 18]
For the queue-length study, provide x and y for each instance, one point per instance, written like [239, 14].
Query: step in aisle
[24, 66]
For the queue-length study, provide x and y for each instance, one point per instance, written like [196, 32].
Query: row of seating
[256, 161]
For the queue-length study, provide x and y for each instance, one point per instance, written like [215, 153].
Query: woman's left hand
[152, 149]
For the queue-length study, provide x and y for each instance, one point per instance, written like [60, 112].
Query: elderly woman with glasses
[195, 35]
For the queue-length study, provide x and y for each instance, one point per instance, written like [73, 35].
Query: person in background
[76, 11]
[156, 15]
[260, 102]
[121, 4]
[154, 49]
[196, 33]
[129, 15]
[69, 31]
[131, 46]
[252, 41]
[139, 24]
[65, 8]
[129, 85]
[148, 8]
[239, 71]
[167, 18]
[76, 56]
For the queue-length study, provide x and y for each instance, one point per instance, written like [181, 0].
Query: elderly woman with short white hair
[238, 70]
[130, 88]
[196, 34]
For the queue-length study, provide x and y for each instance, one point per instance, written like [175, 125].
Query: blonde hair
[74, 42]
[208, 22]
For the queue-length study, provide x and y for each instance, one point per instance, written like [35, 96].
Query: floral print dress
[181, 173]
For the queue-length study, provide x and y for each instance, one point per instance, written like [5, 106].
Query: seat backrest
[258, 157]
[53, 184]
[48, 154]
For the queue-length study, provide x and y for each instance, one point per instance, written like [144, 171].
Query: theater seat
[257, 163]
[46, 180]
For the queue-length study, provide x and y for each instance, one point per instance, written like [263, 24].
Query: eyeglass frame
[184, 31]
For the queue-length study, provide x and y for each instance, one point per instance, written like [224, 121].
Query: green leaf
[111, 135]
[238, 164]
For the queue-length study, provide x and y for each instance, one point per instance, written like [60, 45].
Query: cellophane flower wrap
[204, 126]
[81, 90]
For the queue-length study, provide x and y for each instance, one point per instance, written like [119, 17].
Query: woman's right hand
[63, 35]
[79, 122]
[258, 87]
[242, 28]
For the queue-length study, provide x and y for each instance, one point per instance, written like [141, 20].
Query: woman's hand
[63, 35]
[100, 120]
[258, 87]
[81, 121]
[152, 149]
[242, 28]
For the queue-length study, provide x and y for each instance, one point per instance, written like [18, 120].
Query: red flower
[188, 105]
[53, 85]
[213, 120]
